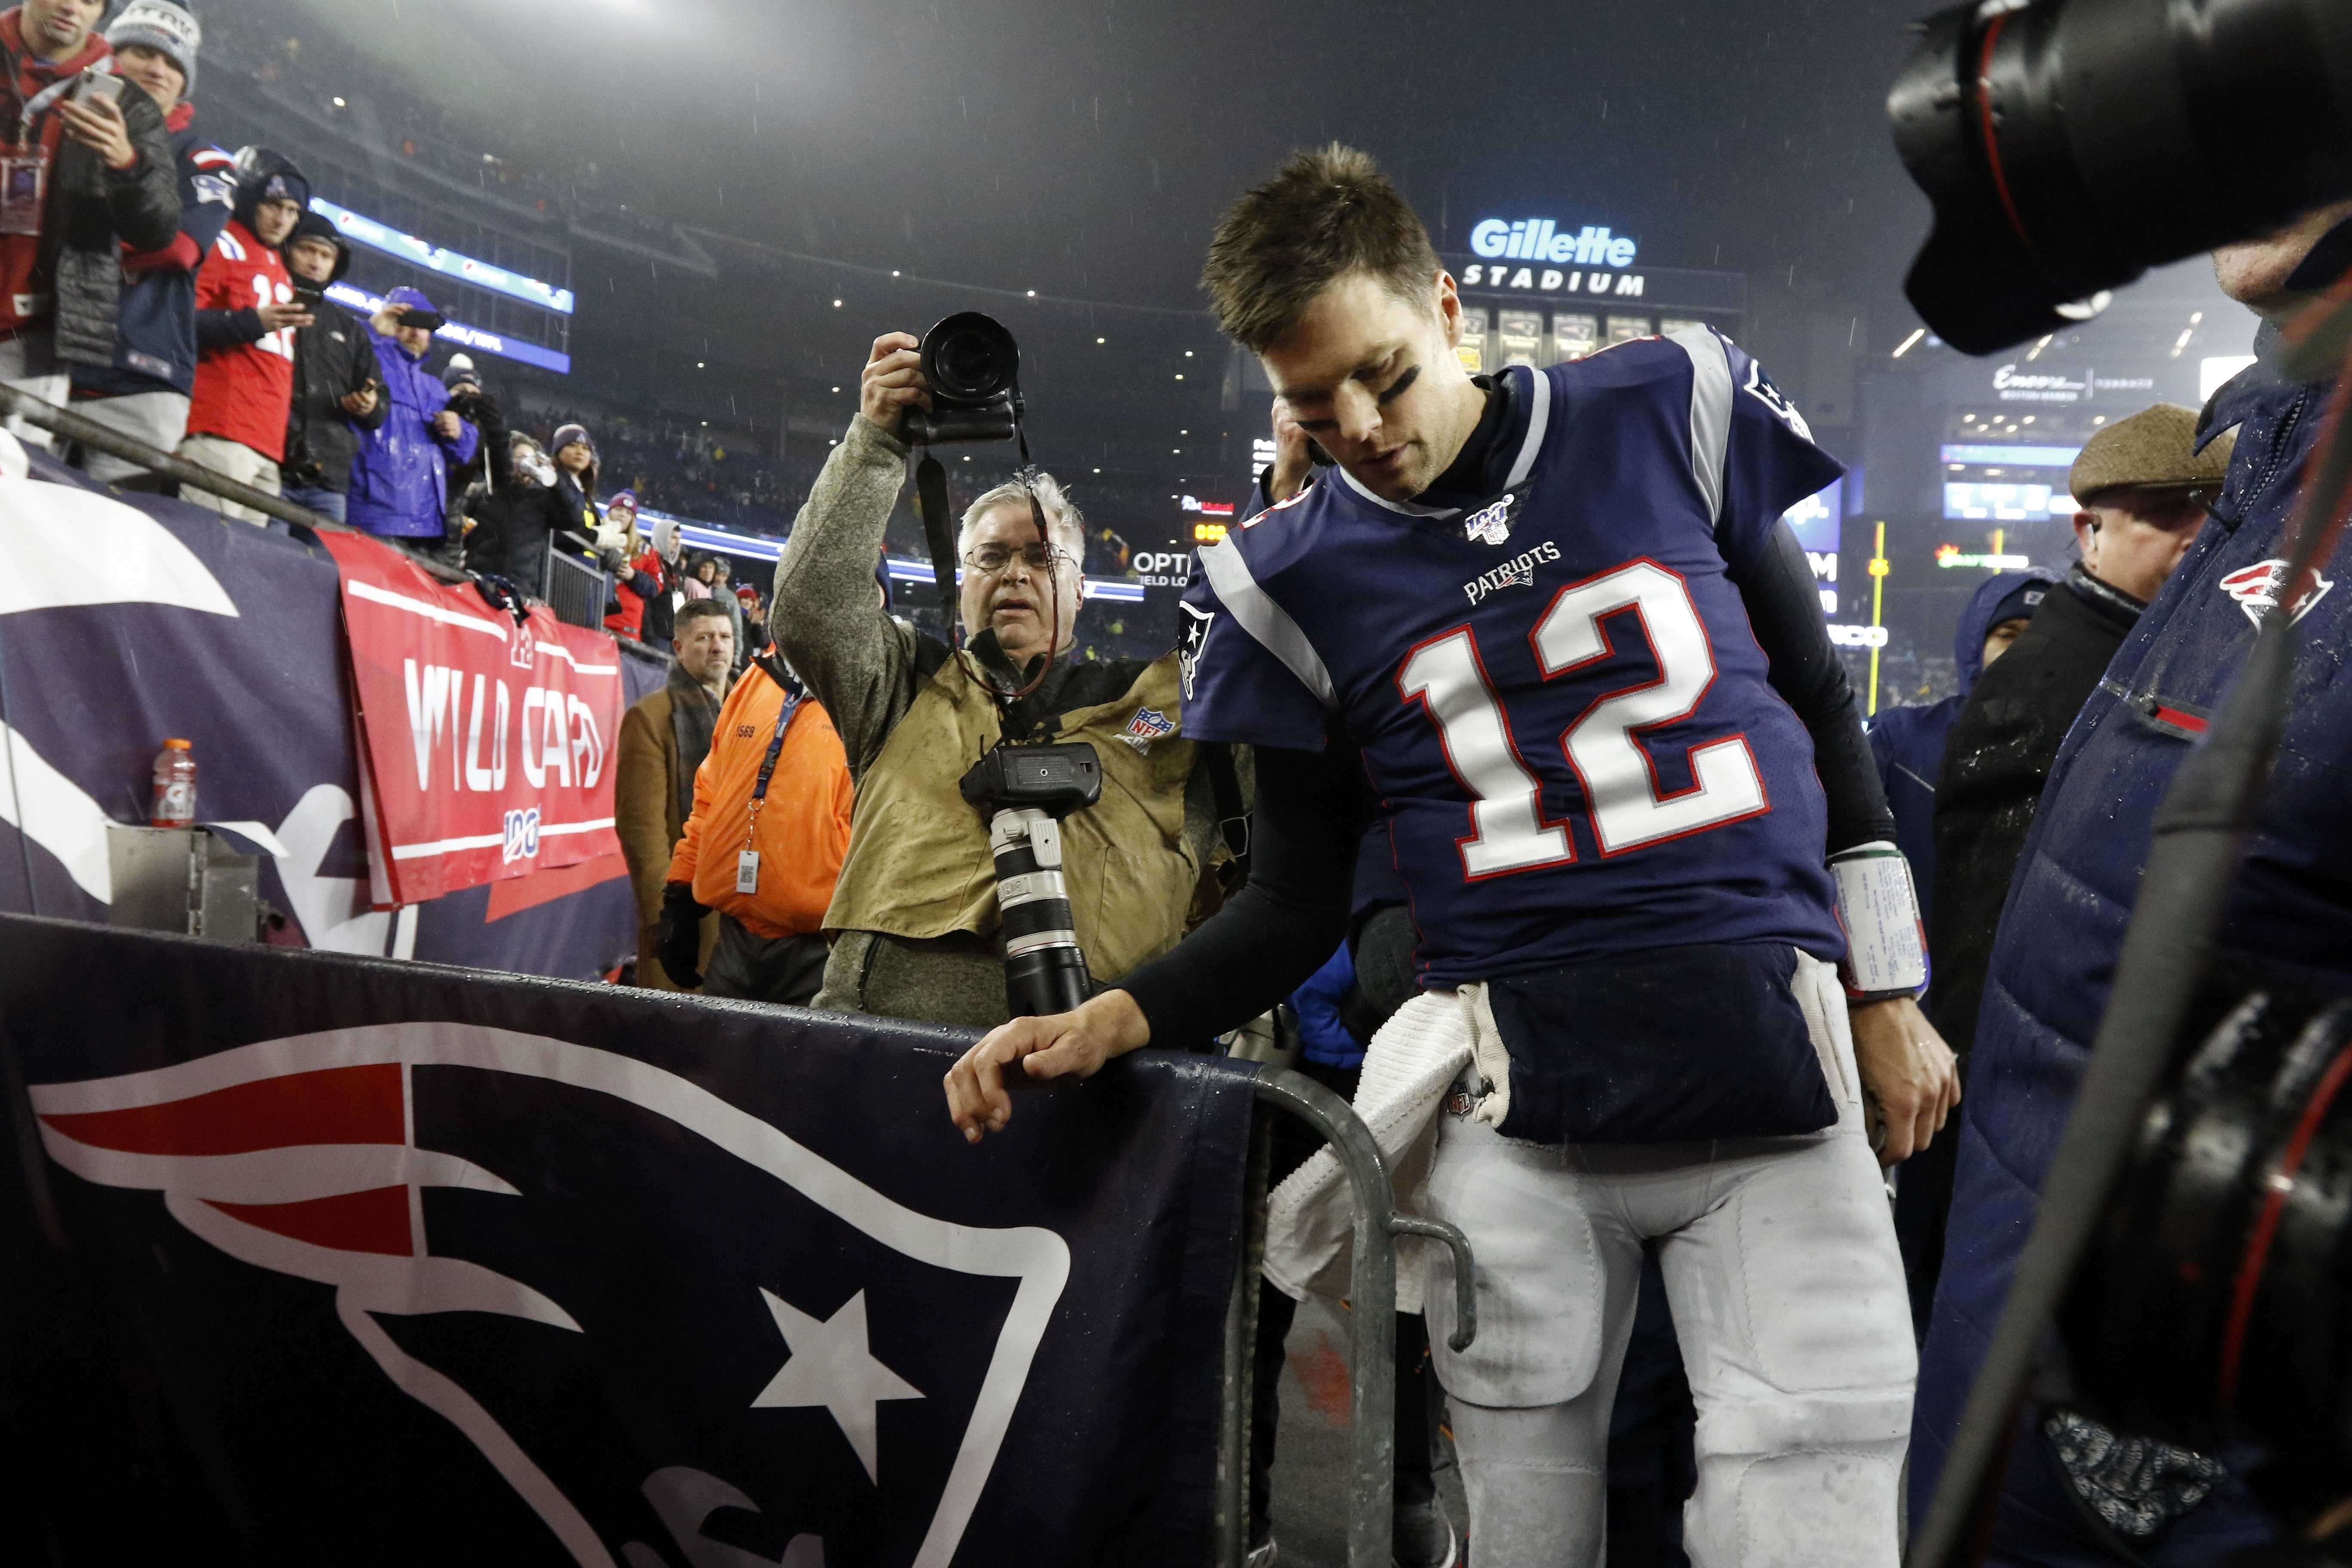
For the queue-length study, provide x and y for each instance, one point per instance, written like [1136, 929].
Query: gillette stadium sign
[1541, 239]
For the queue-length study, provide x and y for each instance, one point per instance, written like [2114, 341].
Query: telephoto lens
[1045, 968]
[2068, 146]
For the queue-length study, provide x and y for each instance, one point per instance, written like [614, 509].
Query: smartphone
[96, 83]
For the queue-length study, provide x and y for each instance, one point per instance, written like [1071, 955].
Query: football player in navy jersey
[1555, 619]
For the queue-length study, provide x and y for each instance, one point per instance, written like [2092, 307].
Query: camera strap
[931, 503]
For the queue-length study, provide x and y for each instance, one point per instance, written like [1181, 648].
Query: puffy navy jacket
[1909, 742]
[2053, 960]
[401, 472]
[155, 319]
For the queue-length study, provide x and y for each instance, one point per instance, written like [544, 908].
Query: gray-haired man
[914, 913]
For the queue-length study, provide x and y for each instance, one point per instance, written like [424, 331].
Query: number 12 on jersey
[1628, 810]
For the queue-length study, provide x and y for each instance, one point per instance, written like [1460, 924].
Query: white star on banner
[830, 1365]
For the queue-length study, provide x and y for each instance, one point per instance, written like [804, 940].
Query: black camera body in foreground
[2214, 1303]
[973, 369]
[2068, 146]
[1056, 780]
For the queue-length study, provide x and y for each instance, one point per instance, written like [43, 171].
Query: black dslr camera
[973, 368]
[1025, 790]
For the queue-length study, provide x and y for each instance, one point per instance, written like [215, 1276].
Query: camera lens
[969, 358]
[2068, 145]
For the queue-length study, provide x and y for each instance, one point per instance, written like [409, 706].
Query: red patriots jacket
[245, 376]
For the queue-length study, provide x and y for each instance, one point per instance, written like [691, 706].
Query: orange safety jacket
[803, 827]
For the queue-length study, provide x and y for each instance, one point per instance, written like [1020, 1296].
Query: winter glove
[677, 935]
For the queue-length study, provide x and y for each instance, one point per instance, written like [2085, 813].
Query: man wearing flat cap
[2142, 488]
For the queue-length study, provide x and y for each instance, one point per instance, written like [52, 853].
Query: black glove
[677, 935]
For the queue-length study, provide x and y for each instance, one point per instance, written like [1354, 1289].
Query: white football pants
[1788, 1297]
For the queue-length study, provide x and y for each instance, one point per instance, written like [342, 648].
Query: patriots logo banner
[460, 1268]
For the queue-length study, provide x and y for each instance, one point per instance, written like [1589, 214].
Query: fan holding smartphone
[92, 114]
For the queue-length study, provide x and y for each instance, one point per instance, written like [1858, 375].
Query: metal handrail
[1372, 1298]
[38, 411]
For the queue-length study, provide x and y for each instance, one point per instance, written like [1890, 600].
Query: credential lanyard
[747, 860]
[768, 762]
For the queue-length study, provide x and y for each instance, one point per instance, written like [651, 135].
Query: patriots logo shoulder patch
[1195, 637]
[2256, 590]
[1491, 523]
[1149, 724]
[1759, 386]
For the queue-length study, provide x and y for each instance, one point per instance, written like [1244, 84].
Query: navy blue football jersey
[1556, 691]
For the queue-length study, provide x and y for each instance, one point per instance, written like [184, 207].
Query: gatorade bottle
[176, 787]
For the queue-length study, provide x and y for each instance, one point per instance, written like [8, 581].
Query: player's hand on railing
[892, 379]
[1910, 1079]
[1063, 1045]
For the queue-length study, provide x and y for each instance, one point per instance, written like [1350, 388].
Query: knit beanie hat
[459, 372]
[165, 28]
[567, 434]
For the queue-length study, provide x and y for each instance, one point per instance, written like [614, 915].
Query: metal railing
[574, 588]
[1371, 1300]
[16, 402]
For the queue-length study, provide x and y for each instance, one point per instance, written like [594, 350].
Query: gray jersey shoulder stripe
[1710, 413]
[1255, 609]
[1539, 422]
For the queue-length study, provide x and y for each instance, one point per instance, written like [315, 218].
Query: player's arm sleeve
[1785, 610]
[1282, 926]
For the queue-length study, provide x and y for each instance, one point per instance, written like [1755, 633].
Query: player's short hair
[1328, 211]
[1062, 519]
[700, 609]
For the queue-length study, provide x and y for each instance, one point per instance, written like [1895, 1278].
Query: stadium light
[392, 242]
[1907, 345]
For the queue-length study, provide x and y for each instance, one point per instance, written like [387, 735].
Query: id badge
[747, 871]
[24, 181]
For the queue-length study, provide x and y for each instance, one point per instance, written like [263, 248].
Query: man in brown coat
[663, 739]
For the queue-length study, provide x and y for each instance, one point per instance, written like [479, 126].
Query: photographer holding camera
[916, 911]
[2077, 1492]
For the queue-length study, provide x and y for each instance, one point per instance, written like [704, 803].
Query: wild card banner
[126, 619]
[356, 1262]
[484, 742]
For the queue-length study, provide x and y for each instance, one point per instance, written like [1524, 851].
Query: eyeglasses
[990, 560]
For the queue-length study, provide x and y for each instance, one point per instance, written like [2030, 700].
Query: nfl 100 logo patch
[1149, 724]
[1492, 523]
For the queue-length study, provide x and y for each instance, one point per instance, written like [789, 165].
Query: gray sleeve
[857, 662]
